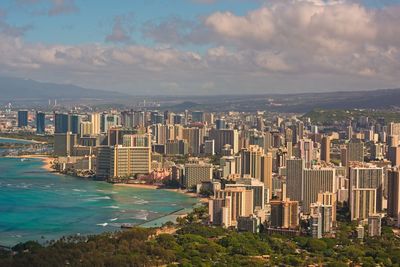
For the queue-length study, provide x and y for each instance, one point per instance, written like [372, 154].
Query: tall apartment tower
[232, 203]
[394, 155]
[394, 129]
[22, 118]
[194, 137]
[367, 177]
[61, 123]
[95, 120]
[284, 212]
[224, 137]
[316, 181]
[355, 151]
[393, 208]
[266, 172]
[326, 149]
[362, 203]
[196, 173]
[294, 178]
[251, 161]
[40, 122]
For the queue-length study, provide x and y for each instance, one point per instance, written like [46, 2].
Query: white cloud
[286, 45]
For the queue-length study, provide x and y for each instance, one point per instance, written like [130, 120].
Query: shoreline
[156, 187]
[47, 161]
[19, 139]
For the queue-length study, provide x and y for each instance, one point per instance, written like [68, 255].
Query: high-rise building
[326, 149]
[306, 150]
[393, 201]
[196, 173]
[139, 119]
[209, 147]
[22, 118]
[193, 136]
[116, 135]
[64, 143]
[328, 199]
[95, 120]
[108, 121]
[103, 165]
[259, 196]
[394, 155]
[230, 204]
[394, 129]
[178, 119]
[225, 137]
[284, 212]
[129, 161]
[74, 123]
[251, 161]
[294, 178]
[362, 203]
[355, 151]
[393, 141]
[86, 128]
[314, 182]
[325, 219]
[228, 165]
[40, 122]
[61, 123]
[197, 116]
[363, 176]
[177, 147]
[220, 124]
[266, 172]
[136, 140]
[378, 151]
[209, 118]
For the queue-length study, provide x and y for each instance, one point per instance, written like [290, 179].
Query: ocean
[41, 206]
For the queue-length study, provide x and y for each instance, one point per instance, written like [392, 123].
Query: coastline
[47, 160]
[156, 187]
[19, 139]
[139, 186]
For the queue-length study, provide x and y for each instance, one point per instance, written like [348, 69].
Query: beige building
[316, 181]
[122, 162]
[86, 128]
[196, 173]
[362, 203]
[326, 149]
[64, 143]
[228, 205]
[95, 120]
[328, 199]
[223, 137]
[367, 176]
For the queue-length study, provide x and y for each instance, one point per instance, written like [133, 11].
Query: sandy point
[47, 161]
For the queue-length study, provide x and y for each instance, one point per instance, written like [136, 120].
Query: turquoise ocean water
[37, 205]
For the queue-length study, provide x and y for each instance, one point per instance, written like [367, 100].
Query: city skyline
[203, 47]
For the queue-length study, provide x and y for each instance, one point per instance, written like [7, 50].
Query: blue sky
[203, 46]
[93, 19]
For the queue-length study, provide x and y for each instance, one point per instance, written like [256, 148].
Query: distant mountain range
[16, 89]
[13, 89]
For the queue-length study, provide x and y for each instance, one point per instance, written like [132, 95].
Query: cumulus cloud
[286, 45]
